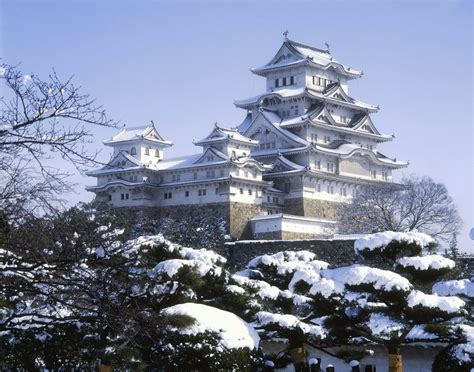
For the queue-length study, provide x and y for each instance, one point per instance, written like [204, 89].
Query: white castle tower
[304, 146]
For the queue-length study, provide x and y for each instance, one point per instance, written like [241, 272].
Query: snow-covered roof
[287, 93]
[346, 149]
[301, 54]
[233, 331]
[131, 134]
[220, 134]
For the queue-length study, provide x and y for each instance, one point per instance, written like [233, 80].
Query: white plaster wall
[297, 72]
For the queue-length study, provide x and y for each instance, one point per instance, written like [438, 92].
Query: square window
[186, 193]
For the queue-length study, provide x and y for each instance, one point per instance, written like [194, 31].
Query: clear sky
[182, 64]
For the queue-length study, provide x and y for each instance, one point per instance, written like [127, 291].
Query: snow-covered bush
[391, 244]
[75, 289]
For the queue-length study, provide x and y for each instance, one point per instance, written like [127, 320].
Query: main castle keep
[304, 145]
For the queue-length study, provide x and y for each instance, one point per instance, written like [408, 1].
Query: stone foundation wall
[311, 208]
[294, 206]
[239, 216]
[336, 252]
[320, 209]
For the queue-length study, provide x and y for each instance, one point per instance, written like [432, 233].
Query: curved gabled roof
[132, 134]
[220, 134]
[302, 54]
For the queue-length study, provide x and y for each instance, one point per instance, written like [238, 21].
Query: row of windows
[274, 199]
[322, 82]
[283, 82]
[246, 173]
[201, 192]
[250, 192]
[330, 167]
[122, 196]
[314, 138]
[133, 151]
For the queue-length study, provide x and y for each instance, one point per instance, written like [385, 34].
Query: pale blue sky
[183, 63]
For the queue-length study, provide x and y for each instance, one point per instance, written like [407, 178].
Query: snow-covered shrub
[206, 339]
[458, 356]
[425, 267]
[461, 287]
[393, 244]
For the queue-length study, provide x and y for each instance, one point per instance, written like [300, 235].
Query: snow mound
[289, 261]
[447, 304]
[233, 331]
[333, 281]
[463, 287]
[433, 262]
[379, 241]
[289, 321]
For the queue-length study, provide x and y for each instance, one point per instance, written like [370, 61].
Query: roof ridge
[293, 42]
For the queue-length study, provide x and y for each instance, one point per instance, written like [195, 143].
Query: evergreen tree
[453, 246]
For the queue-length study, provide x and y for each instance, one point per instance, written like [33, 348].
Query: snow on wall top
[379, 241]
[233, 331]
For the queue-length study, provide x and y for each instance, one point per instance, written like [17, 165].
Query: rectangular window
[343, 119]
[199, 192]
[126, 196]
[321, 82]
[284, 81]
[217, 190]
[186, 193]
[292, 80]
[277, 83]
[122, 196]
[318, 164]
[250, 191]
[374, 174]
[110, 197]
[195, 175]
[330, 167]
[204, 192]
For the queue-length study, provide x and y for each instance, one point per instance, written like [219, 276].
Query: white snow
[289, 321]
[382, 239]
[463, 287]
[446, 304]
[381, 325]
[418, 333]
[465, 351]
[434, 262]
[264, 289]
[233, 331]
[335, 280]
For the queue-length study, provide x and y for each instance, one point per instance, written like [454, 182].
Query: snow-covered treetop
[380, 241]
[233, 331]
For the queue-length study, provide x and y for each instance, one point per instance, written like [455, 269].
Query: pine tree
[453, 246]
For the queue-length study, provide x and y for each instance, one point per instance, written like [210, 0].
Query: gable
[284, 55]
[122, 160]
[265, 132]
[211, 156]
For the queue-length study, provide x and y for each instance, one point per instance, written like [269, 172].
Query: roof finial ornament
[285, 34]
[152, 123]
[327, 46]
[215, 125]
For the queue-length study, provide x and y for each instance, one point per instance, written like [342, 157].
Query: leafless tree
[419, 203]
[42, 121]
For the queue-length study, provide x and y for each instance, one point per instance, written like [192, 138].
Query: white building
[303, 146]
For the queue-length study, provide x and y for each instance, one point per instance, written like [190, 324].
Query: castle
[304, 146]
